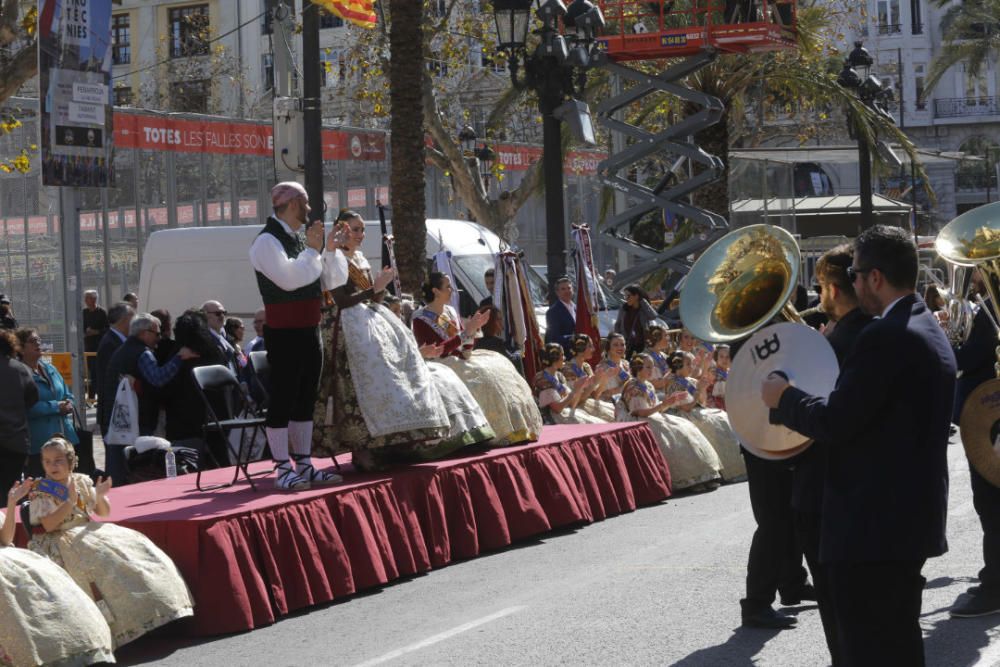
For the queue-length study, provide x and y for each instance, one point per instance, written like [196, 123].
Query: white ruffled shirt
[335, 267]
[269, 257]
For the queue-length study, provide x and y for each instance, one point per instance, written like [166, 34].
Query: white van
[183, 268]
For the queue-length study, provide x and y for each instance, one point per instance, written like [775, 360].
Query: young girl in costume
[135, 584]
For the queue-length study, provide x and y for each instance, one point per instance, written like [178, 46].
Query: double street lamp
[874, 95]
[557, 73]
[482, 156]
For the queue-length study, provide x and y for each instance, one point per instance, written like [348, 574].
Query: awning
[811, 206]
[841, 155]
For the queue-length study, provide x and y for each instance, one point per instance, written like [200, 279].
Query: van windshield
[475, 266]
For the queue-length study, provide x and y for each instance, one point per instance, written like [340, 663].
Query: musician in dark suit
[885, 494]
[846, 321]
[976, 358]
[560, 318]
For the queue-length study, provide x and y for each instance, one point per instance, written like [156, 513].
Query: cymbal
[807, 360]
[979, 425]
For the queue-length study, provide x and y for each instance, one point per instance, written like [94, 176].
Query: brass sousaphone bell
[973, 240]
[736, 289]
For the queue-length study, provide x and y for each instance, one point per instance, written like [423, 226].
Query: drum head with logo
[980, 428]
[807, 360]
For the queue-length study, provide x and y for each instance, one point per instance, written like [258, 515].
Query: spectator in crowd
[613, 348]
[7, 319]
[135, 358]
[216, 313]
[120, 318]
[167, 346]
[235, 330]
[132, 299]
[609, 277]
[582, 348]
[95, 324]
[18, 393]
[53, 413]
[558, 400]
[259, 322]
[489, 277]
[185, 411]
[933, 298]
[634, 317]
[560, 318]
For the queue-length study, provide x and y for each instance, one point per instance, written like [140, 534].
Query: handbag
[85, 446]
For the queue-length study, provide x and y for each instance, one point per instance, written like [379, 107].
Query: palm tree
[971, 31]
[406, 175]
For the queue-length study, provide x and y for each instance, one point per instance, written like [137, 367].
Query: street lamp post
[556, 72]
[870, 91]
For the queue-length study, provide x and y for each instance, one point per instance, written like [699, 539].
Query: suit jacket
[110, 342]
[559, 324]
[810, 465]
[886, 491]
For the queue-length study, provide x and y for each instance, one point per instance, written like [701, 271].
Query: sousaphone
[739, 286]
[973, 239]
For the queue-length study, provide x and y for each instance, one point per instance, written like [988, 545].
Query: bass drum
[980, 429]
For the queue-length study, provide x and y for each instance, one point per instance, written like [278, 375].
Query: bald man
[288, 273]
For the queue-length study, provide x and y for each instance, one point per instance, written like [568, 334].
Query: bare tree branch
[19, 70]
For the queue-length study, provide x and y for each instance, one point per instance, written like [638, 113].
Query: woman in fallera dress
[582, 347]
[503, 395]
[135, 585]
[558, 402]
[693, 463]
[713, 423]
[45, 618]
[376, 398]
[614, 359]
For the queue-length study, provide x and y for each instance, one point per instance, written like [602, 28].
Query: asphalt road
[659, 586]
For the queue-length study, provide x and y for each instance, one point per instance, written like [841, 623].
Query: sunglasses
[853, 273]
[218, 312]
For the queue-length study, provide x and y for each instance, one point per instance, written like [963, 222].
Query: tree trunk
[714, 140]
[406, 176]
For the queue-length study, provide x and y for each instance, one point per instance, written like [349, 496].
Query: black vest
[125, 361]
[292, 245]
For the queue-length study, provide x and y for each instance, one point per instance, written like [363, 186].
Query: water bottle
[171, 463]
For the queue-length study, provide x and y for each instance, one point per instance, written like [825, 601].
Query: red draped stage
[252, 557]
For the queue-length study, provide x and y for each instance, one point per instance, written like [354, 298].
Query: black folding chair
[220, 382]
[25, 509]
[261, 373]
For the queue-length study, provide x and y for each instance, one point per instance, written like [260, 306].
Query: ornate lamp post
[870, 91]
[556, 71]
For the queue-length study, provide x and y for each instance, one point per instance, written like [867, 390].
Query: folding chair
[220, 382]
[261, 373]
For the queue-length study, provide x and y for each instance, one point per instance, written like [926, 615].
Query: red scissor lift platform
[645, 30]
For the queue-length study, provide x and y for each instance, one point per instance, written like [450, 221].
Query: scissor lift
[689, 34]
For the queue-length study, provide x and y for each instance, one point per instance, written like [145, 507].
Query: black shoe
[805, 592]
[768, 618]
[979, 605]
[974, 589]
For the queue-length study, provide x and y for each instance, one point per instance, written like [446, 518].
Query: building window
[334, 66]
[328, 20]
[267, 68]
[189, 31]
[920, 88]
[123, 96]
[888, 17]
[437, 67]
[439, 7]
[121, 52]
[916, 17]
[191, 96]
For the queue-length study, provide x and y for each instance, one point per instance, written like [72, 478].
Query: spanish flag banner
[358, 12]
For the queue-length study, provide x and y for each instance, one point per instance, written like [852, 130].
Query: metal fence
[180, 170]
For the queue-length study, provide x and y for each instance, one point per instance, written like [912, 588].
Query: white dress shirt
[571, 307]
[269, 257]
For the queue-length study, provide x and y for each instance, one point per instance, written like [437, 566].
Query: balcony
[889, 28]
[955, 107]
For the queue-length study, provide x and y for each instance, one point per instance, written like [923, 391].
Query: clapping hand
[384, 278]
[186, 353]
[314, 235]
[72, 495]
[338, 237]
[476, 322]
[102, 487]
[19, 491]
[431, 350]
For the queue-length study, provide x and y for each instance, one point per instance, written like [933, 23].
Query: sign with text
[74, 68]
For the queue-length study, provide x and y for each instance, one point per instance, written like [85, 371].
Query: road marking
[440, 637]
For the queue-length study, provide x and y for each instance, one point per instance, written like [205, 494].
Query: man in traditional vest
[288, 274]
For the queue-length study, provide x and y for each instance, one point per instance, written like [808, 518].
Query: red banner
[183, 135]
